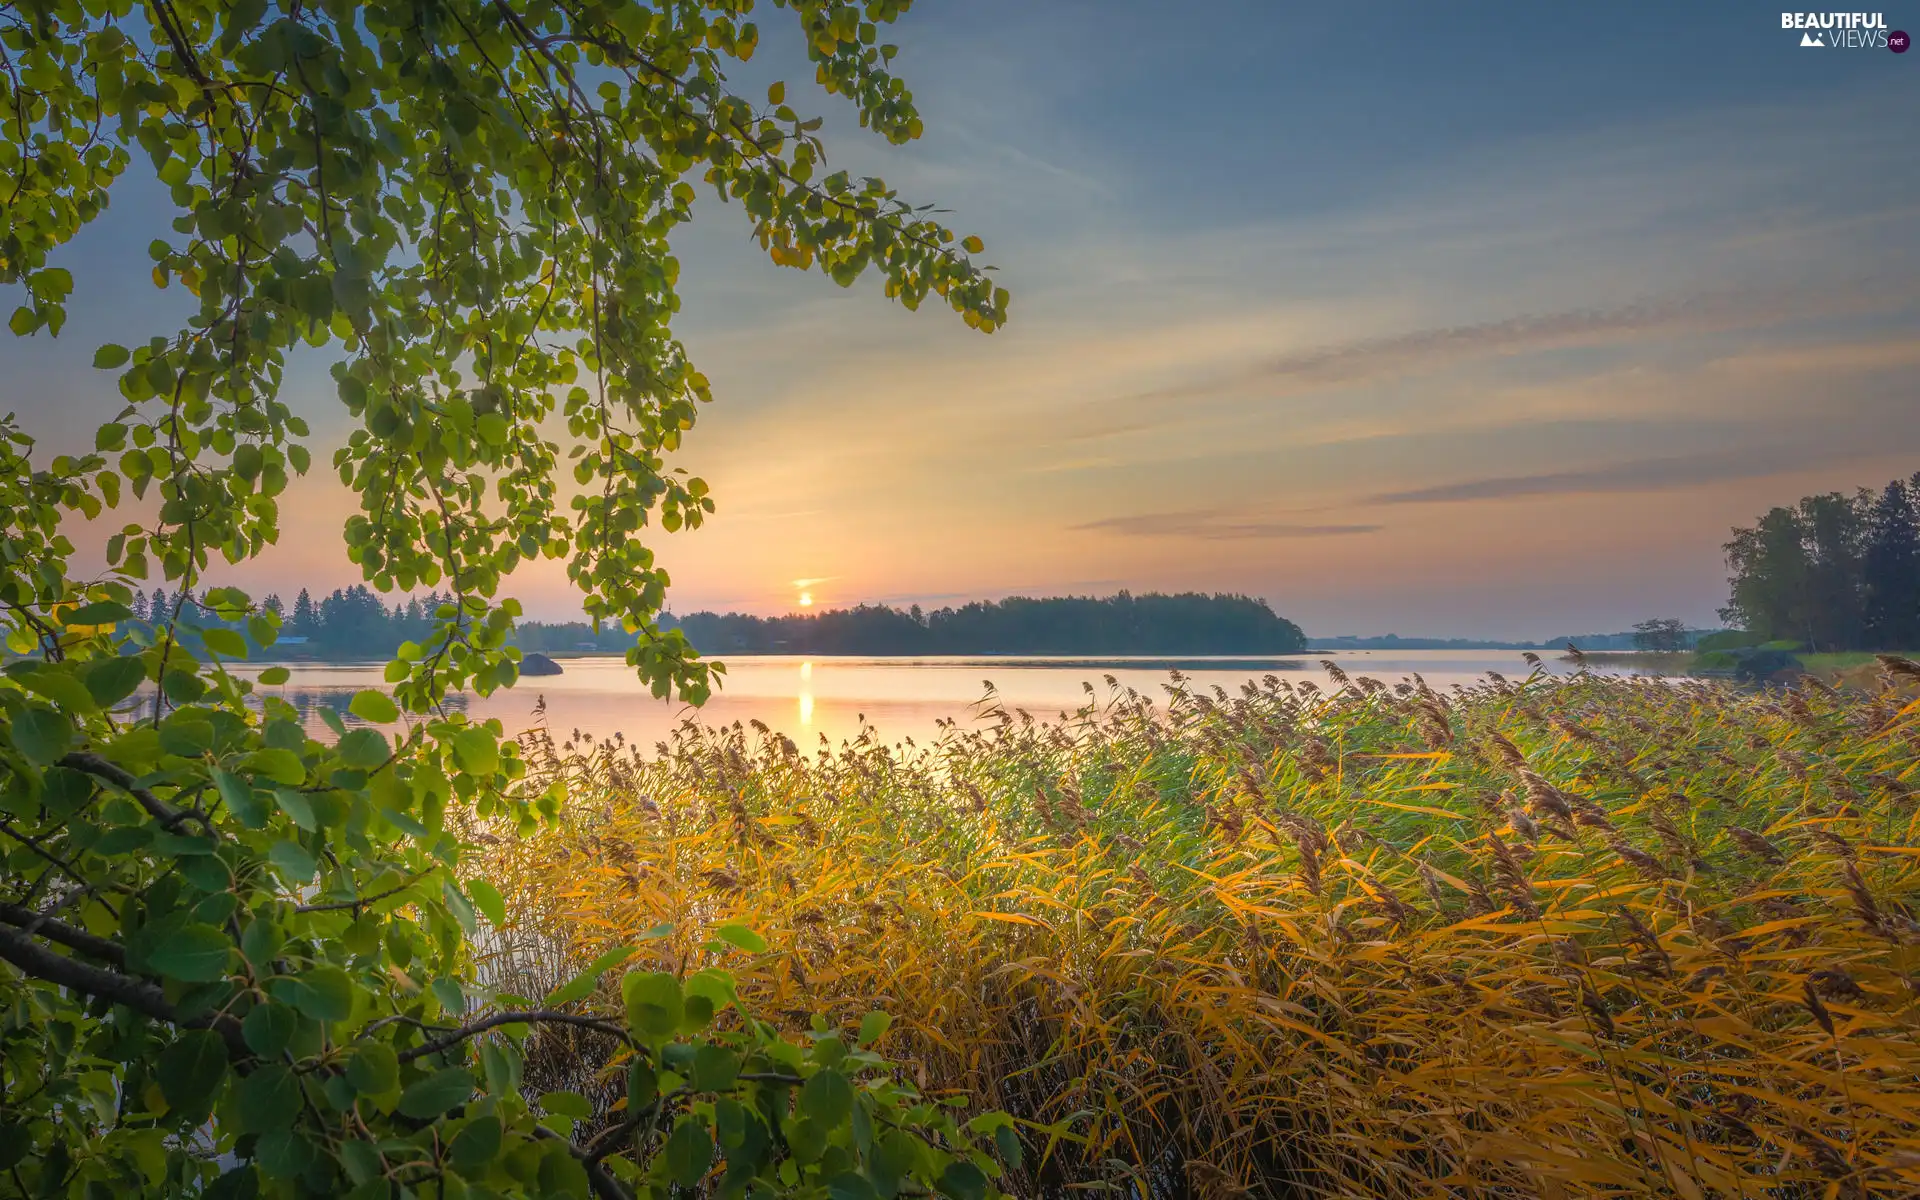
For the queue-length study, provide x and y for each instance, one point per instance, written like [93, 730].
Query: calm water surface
[811, 698]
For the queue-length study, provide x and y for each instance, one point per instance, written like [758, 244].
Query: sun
[805, 589]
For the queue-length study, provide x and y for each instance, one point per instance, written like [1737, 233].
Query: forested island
[1151, 623]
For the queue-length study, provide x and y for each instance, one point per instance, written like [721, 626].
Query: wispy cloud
[1644, 475]
[1426, 351]
[1213, 525]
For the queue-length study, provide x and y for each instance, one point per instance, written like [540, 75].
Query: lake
[810, 698]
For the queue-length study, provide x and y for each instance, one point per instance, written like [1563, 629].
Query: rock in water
[538, 664]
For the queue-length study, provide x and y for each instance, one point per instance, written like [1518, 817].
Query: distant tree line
[1835, 572]
[1188, 623]
[1662, 635]
[355, 623]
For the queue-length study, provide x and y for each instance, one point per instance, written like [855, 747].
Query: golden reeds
[1592, 937]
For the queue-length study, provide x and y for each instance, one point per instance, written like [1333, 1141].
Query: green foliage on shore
[1833, 573]
[239, 960]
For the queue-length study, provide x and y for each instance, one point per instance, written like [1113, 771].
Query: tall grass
[1557, 938]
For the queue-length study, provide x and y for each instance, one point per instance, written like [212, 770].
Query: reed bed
[1592, 936]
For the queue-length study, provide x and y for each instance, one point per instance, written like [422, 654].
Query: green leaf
[241, 1183]
[476, 751]
[717, 988]
[450, 995]
[112, 680]
[192, 953]
[191, 1071]
[16, 1140]
[280, 766]
[363, 1166]
[567, 1104]
[185, 736]
[100, 612]
[268, 1028]
[374, 1068]
[297, 806]
[476, 1144]
[714, 1068]
[274, 676]
[427, 1098]
[376, 708]
[294, 861]
[688, 1152]
[108, 357]
[55, 683]
[643, 1084]
[849, 1185]
[489, 901]
[364, 748]
[458, 906]
[872, 1026]
[1008, 1143]
[41, 734]
[262, 941]
[653, 1002]
[283, 1154]
[893, 1158]
[332, 721]
[182, 687]
[741, 936]
[225, 642]
[268, 1099]
[827, 1097]
[324, 993]
[582, 985]
[963, 1181]
[247, 805]
[501, 1061]
[205, 872]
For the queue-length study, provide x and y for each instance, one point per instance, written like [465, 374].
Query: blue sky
[1472, 319]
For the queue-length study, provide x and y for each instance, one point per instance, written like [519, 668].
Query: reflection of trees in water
[306, 701]
[309, 701]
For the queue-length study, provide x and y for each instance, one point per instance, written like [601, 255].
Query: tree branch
[362, 902]
[160, 810]
[542, 1016]
[142, 997]
[43, 925]
[603, 1184]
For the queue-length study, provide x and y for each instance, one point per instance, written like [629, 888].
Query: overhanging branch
[137, 994]
[159, 809]
[538, 1017]
[40, 924]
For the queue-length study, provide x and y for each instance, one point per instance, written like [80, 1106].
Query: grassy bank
[1851, 659]
[1603, 937]
[1658, 662]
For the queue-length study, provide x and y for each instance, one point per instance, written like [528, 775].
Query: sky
[1484, 320]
